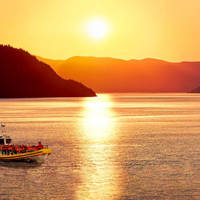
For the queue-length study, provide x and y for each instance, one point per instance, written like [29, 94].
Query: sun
[97, 28]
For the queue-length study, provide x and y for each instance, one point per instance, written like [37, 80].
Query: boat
[28, 153]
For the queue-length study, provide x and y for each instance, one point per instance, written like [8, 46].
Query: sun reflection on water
[99, 174]
[98, 122]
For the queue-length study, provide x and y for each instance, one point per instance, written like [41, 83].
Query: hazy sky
[165, 29]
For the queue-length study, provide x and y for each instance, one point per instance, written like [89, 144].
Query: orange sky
[165, 29]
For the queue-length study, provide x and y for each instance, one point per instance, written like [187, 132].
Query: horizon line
[112, 57]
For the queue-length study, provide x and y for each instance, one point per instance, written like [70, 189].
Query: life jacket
[29, 149]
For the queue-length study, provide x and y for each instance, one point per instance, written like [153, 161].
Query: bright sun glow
[97, 28]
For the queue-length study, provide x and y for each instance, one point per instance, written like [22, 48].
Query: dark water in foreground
[119, 146]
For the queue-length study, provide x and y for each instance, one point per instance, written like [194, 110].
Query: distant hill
[195, 90]
[22, 75]
[51, 62]
[116, 75]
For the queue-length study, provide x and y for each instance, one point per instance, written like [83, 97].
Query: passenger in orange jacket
[40, 146]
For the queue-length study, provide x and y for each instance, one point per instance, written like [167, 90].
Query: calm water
[113, 147]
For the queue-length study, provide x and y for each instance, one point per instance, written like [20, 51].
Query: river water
[112, 147]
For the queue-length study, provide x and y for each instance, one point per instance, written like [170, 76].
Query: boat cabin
[5, 140]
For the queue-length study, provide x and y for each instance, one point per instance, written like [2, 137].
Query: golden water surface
[114, 146]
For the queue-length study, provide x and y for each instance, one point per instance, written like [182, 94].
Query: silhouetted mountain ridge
[145, 75]
[22, 75]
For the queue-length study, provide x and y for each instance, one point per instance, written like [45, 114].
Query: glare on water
[98, 123]
[98, 171]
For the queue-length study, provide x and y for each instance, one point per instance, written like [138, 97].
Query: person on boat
[3, 149]
[21, 149]
[29, 148]
[14, 149]
[24, 148]
[18, 149]
[40, 146]
[9, 149]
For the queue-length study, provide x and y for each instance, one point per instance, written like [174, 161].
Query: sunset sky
[132, 29]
